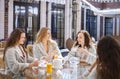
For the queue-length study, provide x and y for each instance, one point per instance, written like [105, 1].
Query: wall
[1, 19]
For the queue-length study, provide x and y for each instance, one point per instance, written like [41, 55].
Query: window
[108, 26]
[57, 23]
[91, 23]
[26, 16]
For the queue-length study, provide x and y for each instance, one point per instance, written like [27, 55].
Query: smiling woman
[16, 58]
[83, 48]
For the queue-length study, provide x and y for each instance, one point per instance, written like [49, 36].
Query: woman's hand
[84, 51]
[53, 53]
[34, 63]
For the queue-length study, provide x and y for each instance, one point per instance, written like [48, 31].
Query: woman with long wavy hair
[83, 48]
[108, 61]
[45, 48]
[17, 61]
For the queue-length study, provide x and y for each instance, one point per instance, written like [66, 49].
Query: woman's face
[48, 35]
[80, 38]
[22, 38]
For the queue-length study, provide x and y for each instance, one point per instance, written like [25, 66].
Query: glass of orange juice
[49, 68]
[55, 56]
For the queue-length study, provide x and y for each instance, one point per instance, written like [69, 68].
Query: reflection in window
[57, 24]
[26, 16]
[108, 26]
[91, 23]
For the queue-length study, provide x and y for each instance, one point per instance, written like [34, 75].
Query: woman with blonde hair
[44, 47]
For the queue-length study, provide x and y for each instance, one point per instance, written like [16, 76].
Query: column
[10, 17]
[2, 8]
[117, 24]
[49, 15]
[103, 26]
[114, 26]
[43, 14]
[84, 18]
[79, 4]
[98, 27]
[68, 19]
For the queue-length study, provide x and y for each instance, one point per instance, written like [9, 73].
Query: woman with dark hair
[45, 48]
[83, 48]
[108, 64]
[16, 58]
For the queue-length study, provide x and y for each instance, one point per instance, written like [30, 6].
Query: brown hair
[13, 39]
[108, 50]
[86, 38]
[41, 34]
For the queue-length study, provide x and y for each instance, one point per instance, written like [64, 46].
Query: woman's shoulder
[92, 46]
[36, 44]
[10, 50]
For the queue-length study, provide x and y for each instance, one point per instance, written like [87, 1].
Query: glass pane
[57, 24]
[108, 26]
[91, 23]
[35, 11]
[26, 17]
[20, 17]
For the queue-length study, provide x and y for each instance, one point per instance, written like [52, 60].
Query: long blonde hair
[41, 34]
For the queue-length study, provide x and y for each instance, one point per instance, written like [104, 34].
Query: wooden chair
[30, 49]
[3, 44]
[69, 43]
[0, 44]
[2, 65]
[5, 76]
[117, 38]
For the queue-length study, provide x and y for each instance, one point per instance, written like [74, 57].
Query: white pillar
[2, 8]
[78, 16]
[68, 19]
[98, 27]
[10, 17]
[43, 14]
[118, 26]
[103, 26]
[49, 15]
[84, 18]
[113, 26]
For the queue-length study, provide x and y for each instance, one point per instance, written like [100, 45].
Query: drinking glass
[74, 60]
[49, 68]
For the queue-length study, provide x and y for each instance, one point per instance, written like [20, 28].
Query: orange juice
[55, 56]
[49, 68]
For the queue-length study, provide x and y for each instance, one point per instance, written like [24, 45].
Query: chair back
[69, 43]
[2, 64]
[117, 38]
[5, 76]
[30, 49]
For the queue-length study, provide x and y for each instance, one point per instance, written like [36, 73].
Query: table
[68, 72]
